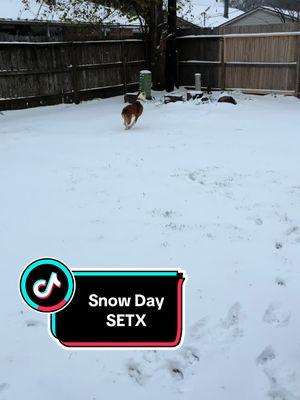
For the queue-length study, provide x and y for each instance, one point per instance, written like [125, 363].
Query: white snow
[15, 9]
[207, 13]
[211, 188]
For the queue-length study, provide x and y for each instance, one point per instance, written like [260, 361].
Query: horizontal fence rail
[267, 28]
[253, 62]
[44, 73]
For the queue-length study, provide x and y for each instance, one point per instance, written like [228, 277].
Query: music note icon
[48, 287]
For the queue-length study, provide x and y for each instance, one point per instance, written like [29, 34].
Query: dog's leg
[126, 122]
[134, 121]
[130, 123]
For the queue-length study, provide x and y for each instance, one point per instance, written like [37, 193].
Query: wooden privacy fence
[254, 63]
[34, 74]
[283, 27]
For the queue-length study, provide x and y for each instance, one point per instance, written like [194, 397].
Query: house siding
[258, 17]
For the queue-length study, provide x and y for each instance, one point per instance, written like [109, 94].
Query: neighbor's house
[19, 23]
[262, 16]
[43, 30]
[35, 23]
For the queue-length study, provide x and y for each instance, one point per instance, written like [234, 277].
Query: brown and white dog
[132, 112]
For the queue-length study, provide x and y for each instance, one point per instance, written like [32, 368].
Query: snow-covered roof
[208, 13]
[287, 14]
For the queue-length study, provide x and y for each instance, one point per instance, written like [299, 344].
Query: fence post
[297, 49]
[74, 58]
[124, 63]
[223, 63]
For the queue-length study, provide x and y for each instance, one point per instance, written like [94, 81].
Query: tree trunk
[171, 56]
[156, 45]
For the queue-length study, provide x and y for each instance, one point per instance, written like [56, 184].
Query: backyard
[210, 188]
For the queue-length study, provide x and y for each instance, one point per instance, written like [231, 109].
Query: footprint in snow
[293, 233]
[180, 365]
[199, 329]
[268, 354]
[280, 282]
[232, 321]
[176, 372]
[259, 221]
[292, 230]
[275, 315]
[4, 386]
[135, 372]
[190, 355]
[233, 316]
[279, 393]
[277, 390]
[33, 322]
[223, 333]
[148, 365]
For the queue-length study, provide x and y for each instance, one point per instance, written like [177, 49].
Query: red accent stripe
[141, 344]
[53, 308]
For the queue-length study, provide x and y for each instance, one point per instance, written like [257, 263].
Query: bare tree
[286, 9]
[149, 13]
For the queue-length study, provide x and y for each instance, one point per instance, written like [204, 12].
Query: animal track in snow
[280, 282]
[33, 322]
[183, 363]
[275, 315]
[259, 221]
[292, 230]
[135, 372]
[180, 365]
[232, 321]
[277, 390]
[233, 316]
[199, 329]
[164, 213]
[176, 372]
[268, 354]
[175, 226]
[149, 364]
[4, 386]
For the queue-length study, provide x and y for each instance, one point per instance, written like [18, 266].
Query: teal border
[111, 273]
[124, 273]
[53, 324]
[37, 263]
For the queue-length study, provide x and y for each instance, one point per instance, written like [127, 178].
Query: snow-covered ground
[213, 189]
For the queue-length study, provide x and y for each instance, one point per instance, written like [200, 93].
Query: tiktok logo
[53, 281]
[47, 285]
